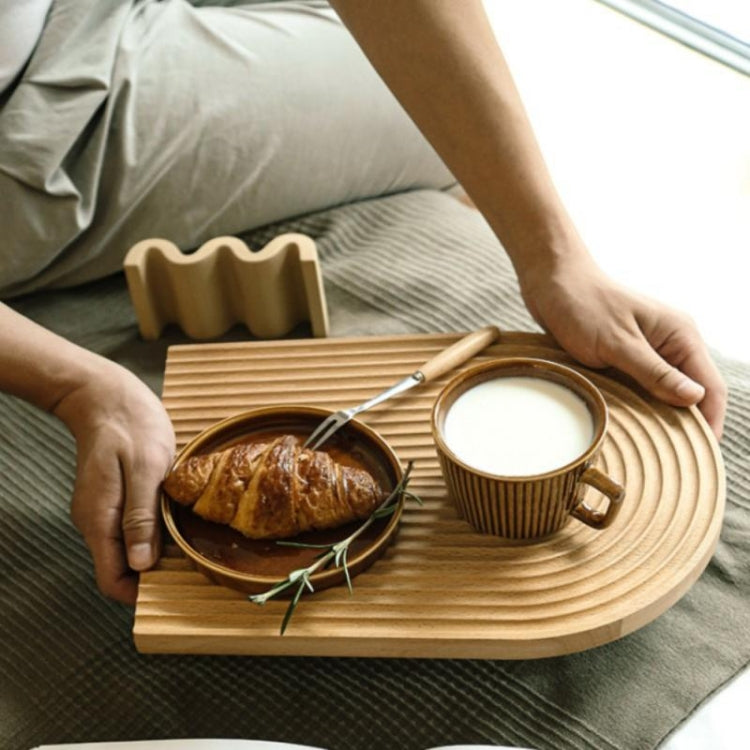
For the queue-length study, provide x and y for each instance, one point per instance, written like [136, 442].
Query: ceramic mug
[533, 505]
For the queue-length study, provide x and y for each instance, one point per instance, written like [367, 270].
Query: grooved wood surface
[442, 590]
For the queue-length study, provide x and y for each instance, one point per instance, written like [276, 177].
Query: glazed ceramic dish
[253, 566]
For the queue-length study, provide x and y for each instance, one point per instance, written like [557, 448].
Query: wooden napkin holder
[223, 283]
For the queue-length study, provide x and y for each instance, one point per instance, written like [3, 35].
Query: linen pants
[146, 118]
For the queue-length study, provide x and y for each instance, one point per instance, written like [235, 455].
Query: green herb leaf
[332, 553]
[292, 606]
[345, 566]
[384, 512]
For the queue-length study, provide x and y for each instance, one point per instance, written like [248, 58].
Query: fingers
[701, 368]
[96, 511]
[141, 523]
[677, 339]
[125, 444]
[115, 507]
[684, 376]
[637, 358]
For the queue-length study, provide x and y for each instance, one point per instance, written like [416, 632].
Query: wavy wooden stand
[442, 590]
[223, 283]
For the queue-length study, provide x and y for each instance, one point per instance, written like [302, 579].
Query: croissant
[273, 490]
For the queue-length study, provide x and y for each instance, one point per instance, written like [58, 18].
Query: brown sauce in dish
[226, 546]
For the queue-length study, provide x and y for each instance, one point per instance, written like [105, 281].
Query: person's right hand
[603, 324]
[125, 444]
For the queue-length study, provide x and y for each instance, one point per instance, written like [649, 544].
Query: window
[718, 28]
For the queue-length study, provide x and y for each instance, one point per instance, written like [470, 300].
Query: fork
[454, 355]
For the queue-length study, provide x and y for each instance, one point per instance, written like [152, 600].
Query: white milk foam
[518, 426]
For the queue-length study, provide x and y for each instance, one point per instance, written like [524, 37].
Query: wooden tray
[442, 590]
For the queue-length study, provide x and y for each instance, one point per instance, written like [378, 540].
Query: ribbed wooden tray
[442, 590]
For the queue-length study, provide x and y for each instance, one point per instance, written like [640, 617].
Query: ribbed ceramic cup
[532, 506]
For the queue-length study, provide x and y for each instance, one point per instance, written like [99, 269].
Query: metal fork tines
[337, 420]
[457, 353]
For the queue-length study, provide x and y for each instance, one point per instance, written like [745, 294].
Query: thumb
[140, 518]
[657, 376]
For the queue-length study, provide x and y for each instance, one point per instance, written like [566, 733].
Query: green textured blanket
[414, 262]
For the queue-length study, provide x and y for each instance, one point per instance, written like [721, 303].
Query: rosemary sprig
[335, 553]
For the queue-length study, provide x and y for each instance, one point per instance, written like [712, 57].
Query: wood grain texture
[442, 590]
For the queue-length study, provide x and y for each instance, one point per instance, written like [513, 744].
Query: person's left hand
[603, 324]
[125, 444]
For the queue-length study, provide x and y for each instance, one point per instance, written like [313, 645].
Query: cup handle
[615, 492]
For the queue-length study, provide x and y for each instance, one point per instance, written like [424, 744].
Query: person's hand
[125, 444]
[603, 324]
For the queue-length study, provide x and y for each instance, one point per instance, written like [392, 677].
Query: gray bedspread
[413, 262]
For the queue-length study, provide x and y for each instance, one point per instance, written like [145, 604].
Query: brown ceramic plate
[229, 558]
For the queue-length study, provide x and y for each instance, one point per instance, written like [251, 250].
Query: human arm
[441, 60]
[124, 444]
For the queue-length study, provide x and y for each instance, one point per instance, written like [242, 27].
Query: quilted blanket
[413, 262]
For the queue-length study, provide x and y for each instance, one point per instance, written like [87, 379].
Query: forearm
[38, 365]
[441, 60]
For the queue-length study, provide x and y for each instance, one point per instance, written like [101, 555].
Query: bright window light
[718, 28]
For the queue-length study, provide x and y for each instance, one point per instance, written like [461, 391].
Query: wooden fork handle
[458, 353]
